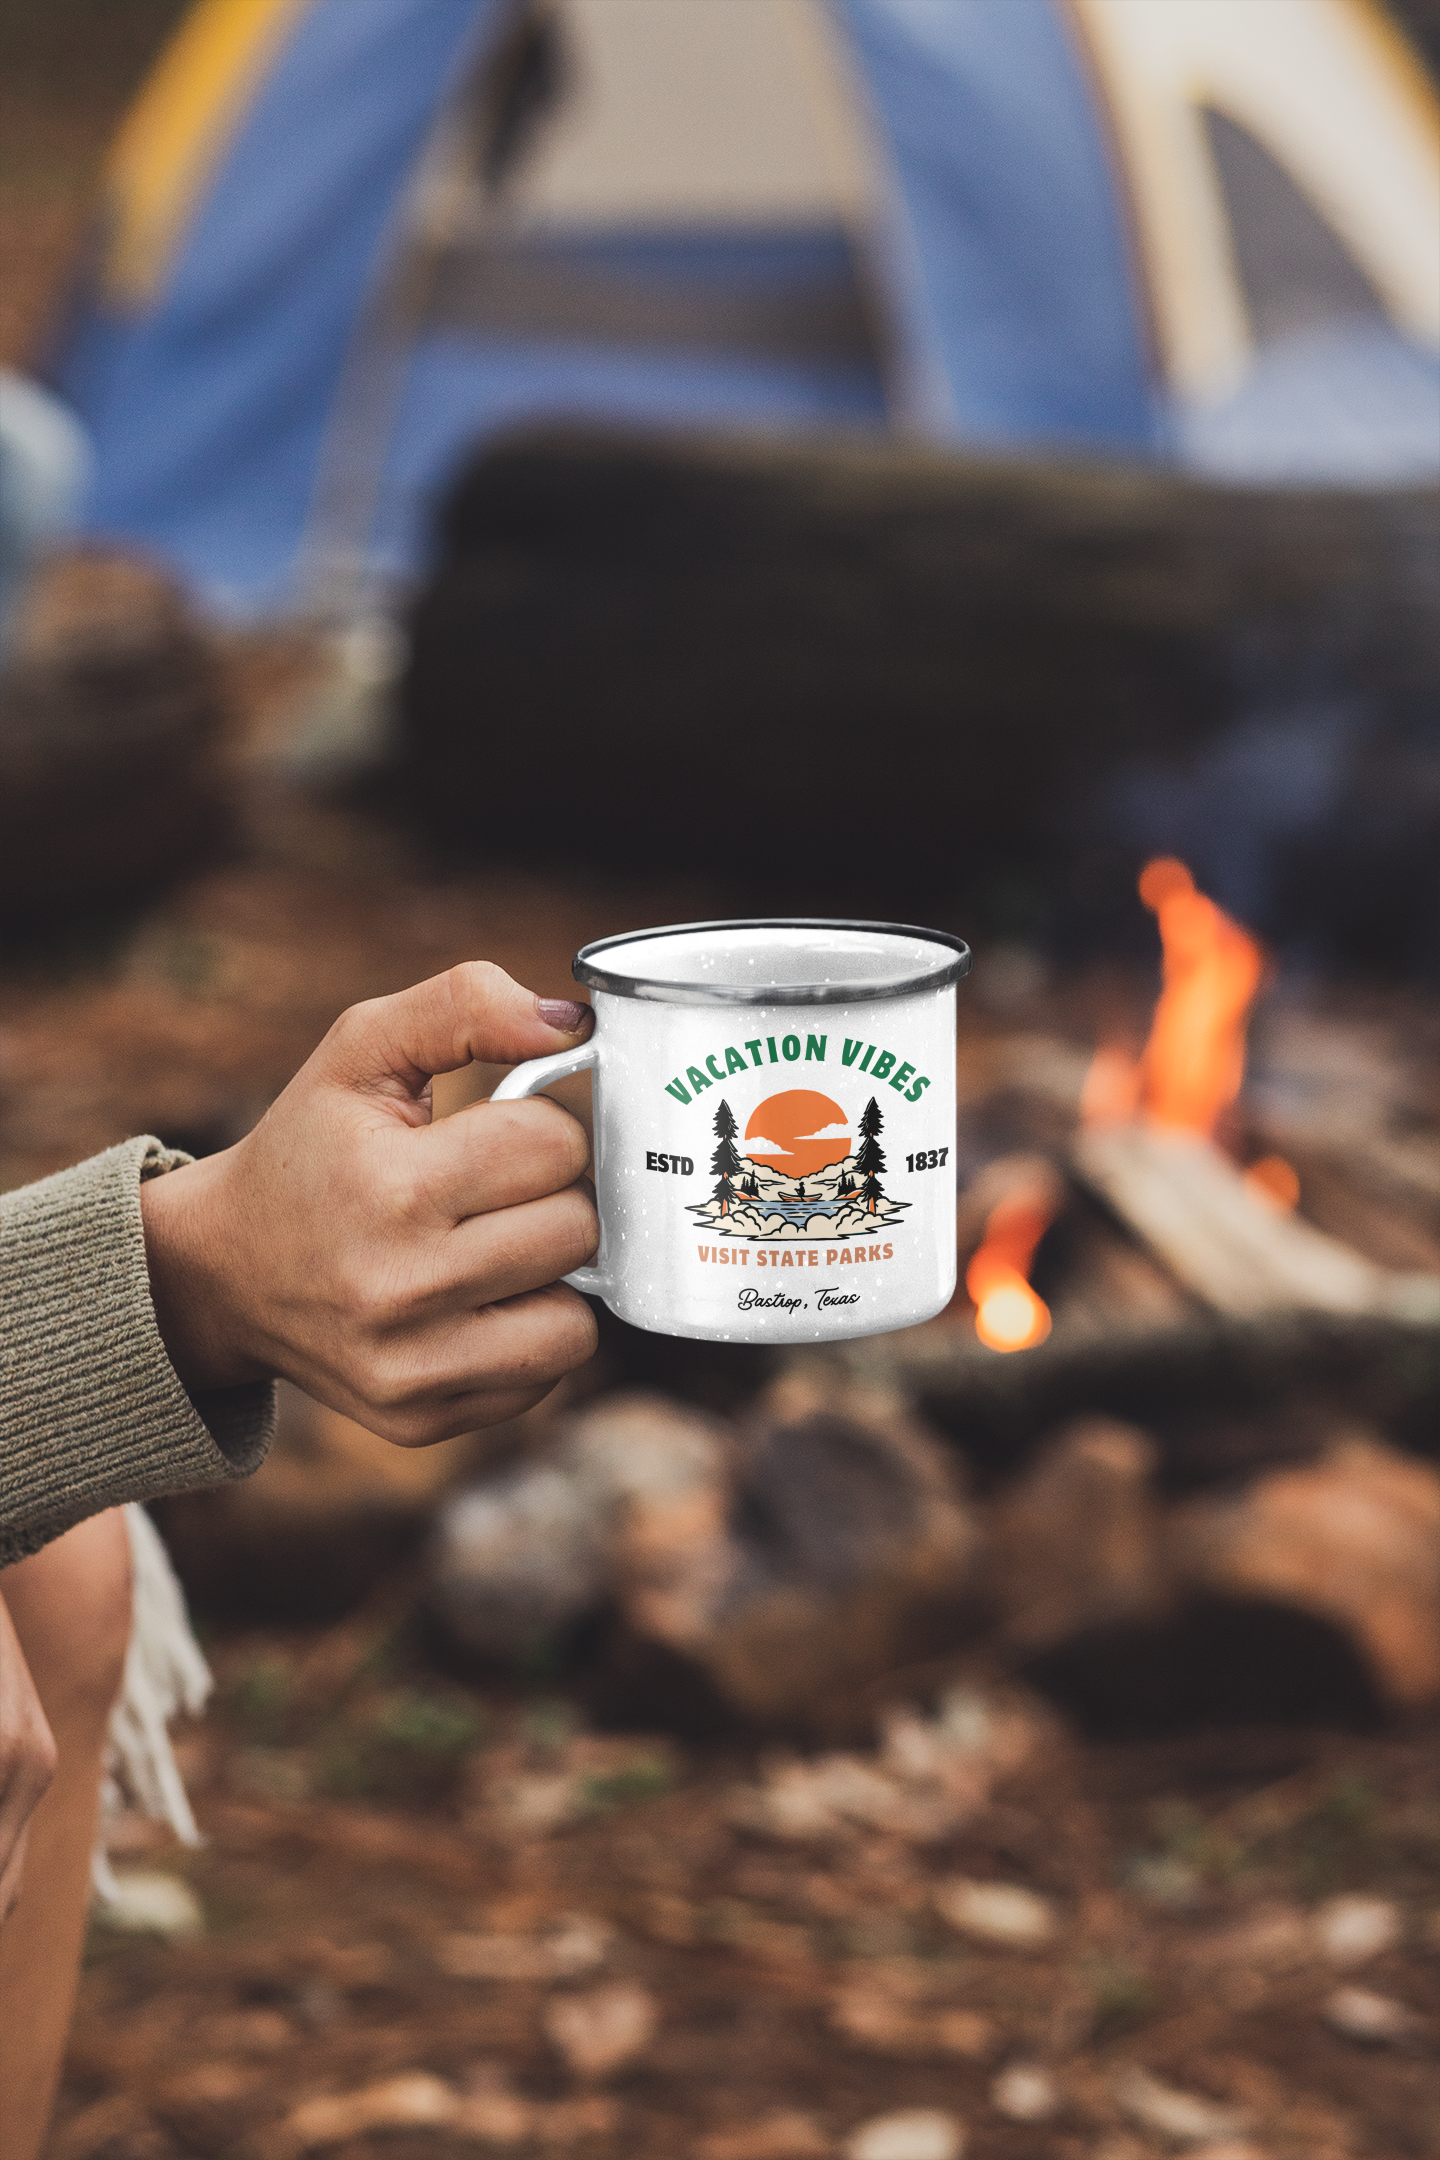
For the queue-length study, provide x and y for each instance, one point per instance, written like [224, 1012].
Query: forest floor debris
[645, 1977]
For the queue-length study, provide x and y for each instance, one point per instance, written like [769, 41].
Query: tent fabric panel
[207, 413]
[1343, 404]
[789, 292]
[178, 129]
[1021, 280]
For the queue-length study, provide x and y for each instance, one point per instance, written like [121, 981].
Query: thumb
[394, 1044]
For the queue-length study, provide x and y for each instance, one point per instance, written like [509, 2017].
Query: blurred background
[462, 464]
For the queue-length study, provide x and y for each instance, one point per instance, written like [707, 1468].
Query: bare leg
[70, 1605]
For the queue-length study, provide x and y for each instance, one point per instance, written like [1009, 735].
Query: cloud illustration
[826, 1132]
[761, 1146]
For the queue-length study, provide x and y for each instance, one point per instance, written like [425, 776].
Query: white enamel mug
[774, 1126]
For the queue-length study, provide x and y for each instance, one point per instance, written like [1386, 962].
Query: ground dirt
[346, 1847]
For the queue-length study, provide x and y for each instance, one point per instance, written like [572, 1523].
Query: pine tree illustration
[725, 1161]
[871, 1156]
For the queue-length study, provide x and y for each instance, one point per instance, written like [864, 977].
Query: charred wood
[1219, 1393]
[669, 623]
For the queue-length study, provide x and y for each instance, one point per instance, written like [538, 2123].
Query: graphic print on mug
[807, 1171]
[774, 1118]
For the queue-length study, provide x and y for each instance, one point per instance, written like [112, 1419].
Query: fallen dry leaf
[875, 2018]
[598, 2032]
[786, 2136]
[912, 2134]
[996, 1912]
[578, 1945]
[1350, 1930]
[1373, 2020]
[406, 2102]
[1185, 2116]
[931, 1776]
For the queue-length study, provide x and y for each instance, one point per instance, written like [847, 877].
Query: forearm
[189, 1261]
[92, 1411]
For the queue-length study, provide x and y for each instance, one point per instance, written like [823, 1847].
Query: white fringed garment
[165, 1673]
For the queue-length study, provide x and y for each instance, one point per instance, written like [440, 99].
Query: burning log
[1222, 1239]
[1225, 1236]
[1351, 1099]
[1184, 1294]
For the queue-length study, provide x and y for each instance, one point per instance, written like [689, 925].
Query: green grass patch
[646, 1778]
[410, 1748]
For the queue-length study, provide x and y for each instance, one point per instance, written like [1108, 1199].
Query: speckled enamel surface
[660, 1264]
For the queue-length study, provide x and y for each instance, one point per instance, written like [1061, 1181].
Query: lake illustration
[803, 1169]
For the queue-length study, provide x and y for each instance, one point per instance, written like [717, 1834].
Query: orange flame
[1195, 1059]
[1191, 1068]
[1008, 1314]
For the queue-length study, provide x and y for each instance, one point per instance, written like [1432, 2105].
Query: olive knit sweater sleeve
[91, 1410]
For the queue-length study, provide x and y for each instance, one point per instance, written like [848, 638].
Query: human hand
[401, 1271]
[27, 1760]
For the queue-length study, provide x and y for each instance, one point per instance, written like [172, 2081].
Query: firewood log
[1232, 1247]
[1246, 1372]
[834, 667]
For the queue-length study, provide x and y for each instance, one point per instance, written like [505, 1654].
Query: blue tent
[321, 279]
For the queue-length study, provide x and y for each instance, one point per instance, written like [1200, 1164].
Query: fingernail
[564, 1014]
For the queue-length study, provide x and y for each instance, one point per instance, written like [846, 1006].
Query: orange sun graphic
[798, 1133]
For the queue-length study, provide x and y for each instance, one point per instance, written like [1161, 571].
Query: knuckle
[536, 1143]
[572, 1335]
[44, 1760]
[380, 1306]
[409, 1427]
[572, 1143]
[403, 1190]
[531, 1339]
[473, 982]
[584, 1229]
[555, 1138]
[389, 1390]
[565, 1141]
[354, 1023]
[498, 1410]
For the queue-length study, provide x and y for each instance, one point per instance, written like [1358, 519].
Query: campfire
[1160, 1141]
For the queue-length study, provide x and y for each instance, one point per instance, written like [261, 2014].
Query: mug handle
[529, 1079]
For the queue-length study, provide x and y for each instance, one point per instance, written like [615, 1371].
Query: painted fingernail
[563, 1014]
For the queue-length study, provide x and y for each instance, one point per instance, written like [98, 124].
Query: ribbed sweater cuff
[92, 1413]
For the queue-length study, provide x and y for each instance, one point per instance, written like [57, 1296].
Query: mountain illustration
[836, 1194]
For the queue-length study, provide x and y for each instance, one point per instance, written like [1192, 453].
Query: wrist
[191, 1264]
